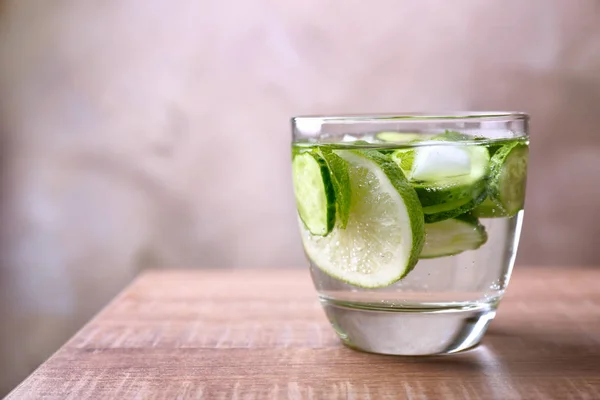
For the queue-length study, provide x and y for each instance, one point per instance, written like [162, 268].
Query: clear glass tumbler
[410, 223]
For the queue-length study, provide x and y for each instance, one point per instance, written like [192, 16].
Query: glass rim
[454, 116]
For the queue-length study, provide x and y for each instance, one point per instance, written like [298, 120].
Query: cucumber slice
[452, 209]
[453, 236]
[450, 180]
[398, 137]
[451, 136]
[315, 194]
[508, 176]
[341, 184]
[385, 231]
[489, 209]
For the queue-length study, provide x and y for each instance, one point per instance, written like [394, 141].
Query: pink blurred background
[154, 134]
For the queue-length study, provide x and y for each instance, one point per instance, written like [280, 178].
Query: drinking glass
[410, 223]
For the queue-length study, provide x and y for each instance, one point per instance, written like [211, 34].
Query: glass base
[409, 332]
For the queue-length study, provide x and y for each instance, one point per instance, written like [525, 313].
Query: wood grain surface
[262, 335]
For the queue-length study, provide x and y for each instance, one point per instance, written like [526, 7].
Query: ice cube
[438, 162]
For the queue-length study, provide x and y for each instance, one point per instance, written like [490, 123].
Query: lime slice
[453, 236]
[385, 232]
[315, 195]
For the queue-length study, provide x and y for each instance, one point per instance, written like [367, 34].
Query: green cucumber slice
[451, 136]
[385, 231]
[341, 184]
[508, 176]
[314, 191]
[453, 236]
[489, 209]
[449, 179]
[445, 211]
[398, 137]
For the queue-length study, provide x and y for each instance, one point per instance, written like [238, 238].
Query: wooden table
[262, 335]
